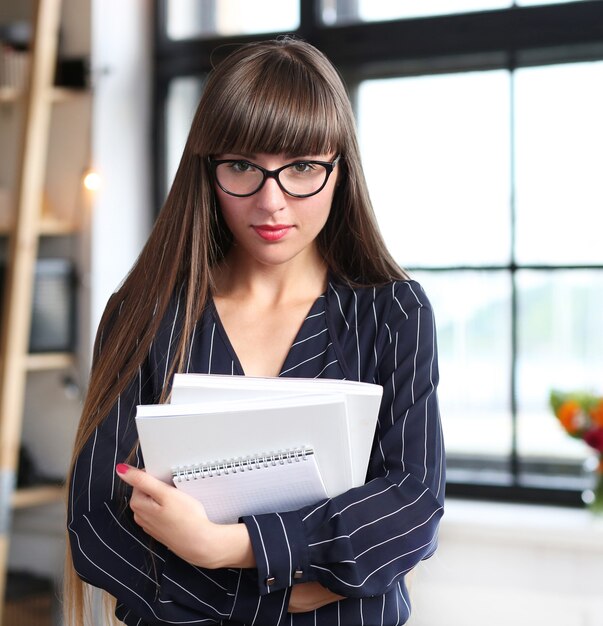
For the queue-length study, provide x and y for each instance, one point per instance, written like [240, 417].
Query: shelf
[48, 227]
[37, 496]
[49, 361]
[10, 94]
[53, 226]
[65, 94]
[56, 94]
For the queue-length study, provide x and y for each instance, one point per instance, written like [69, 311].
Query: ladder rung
[49, 361]
[37, 496]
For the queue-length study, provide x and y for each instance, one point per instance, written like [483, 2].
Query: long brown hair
[277, 97]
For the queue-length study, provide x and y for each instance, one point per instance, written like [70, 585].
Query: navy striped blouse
[359, 544]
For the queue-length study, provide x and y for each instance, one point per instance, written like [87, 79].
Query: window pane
[472, 311]
[204, 18]
[436, 155]
[559, 134]
[560, 328]
[182, 100]
[338, 11]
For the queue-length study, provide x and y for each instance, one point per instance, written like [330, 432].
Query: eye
[241, 167]
[303, 167]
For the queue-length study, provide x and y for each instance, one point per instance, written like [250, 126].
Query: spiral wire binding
[241, 464]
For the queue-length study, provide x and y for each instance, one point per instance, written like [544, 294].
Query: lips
[272, 232]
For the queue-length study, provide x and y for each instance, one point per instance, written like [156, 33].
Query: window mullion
[514, 459]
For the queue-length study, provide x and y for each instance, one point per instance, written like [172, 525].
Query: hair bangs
[280, 108]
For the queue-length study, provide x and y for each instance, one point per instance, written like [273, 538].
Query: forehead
[258, 157]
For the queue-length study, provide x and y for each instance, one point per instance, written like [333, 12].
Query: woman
[265, 260]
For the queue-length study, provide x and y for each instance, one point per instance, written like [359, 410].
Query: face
[271, 227]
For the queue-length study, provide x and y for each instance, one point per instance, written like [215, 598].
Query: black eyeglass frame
[328, 165]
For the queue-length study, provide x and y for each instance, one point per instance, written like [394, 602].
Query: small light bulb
[92, 180]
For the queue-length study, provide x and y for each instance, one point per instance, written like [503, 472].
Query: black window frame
[494, 39]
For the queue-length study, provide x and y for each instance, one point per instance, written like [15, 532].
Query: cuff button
[270, 581]
[298, 573]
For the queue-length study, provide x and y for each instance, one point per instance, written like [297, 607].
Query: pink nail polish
[121, 468]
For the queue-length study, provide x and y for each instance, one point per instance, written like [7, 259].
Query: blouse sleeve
[110, 551]
[363, 541]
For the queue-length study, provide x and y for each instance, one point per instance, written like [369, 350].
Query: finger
[140, 499]
[139, 479]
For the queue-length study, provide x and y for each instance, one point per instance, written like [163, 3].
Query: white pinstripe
[119, 556]
[119, 582]
[340, 309]
[288, 549]
[297, 343]
[363, 582]
[211, 349]
[91, 464]
[305, 361]
[377, 545]
[169, 350]
[357, 336]
[263, 546]
[113, 476]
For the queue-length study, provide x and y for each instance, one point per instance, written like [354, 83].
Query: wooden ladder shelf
[23, 235]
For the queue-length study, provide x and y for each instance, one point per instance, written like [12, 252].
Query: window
[481, 140]
[187, 19]
[338, 12]
[182, 99]
[371, 11]
[489, 179]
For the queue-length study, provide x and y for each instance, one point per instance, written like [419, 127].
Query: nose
[271, 198]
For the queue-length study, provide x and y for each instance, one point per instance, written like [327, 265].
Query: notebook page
[255, 490]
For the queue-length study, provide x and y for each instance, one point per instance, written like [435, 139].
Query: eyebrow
[241, 154]
[288, 156]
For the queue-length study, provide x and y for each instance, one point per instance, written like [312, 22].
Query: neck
[298, 279]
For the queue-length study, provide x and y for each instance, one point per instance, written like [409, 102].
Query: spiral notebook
[179, 440]
[263, 483]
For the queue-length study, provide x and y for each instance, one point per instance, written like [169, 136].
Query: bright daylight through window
[498, 172]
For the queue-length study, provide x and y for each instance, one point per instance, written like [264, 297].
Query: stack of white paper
[214, 421]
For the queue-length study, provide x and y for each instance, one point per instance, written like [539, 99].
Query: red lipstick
[272, 232]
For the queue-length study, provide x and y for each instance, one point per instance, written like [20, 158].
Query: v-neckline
[315, 308]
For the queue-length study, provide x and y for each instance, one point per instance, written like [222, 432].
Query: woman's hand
[180, 523]
[309, 596]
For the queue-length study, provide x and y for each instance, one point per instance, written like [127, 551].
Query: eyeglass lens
[242, 178]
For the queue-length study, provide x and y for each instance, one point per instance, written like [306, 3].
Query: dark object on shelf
[28, 474]
[30, 600]
[53, 312]
[16, 34]
[72, 72]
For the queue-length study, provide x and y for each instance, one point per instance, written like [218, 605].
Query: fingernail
[121, 468]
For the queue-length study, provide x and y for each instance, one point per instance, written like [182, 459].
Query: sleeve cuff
[249, 608]
[280, 548]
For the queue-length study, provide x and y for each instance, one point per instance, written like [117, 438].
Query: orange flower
[596, 413]
[567, 413]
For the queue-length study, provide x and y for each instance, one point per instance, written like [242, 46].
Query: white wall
[121, 140]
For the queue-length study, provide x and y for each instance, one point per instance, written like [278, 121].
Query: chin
[276, 256]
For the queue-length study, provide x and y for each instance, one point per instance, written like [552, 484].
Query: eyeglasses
[301, 179]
